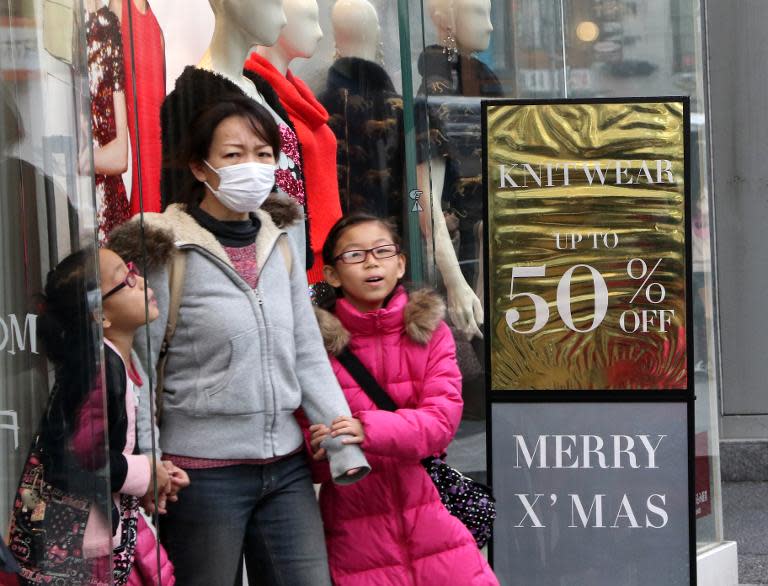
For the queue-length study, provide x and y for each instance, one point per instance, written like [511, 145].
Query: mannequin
[108, 117]
[239, 26]
[356, 29]
[463, 27]
[366, 116]
[299, 40]
[143, 51]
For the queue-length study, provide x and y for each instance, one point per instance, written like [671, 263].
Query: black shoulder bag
[469, 501]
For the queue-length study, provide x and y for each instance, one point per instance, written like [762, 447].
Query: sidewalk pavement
[745, 520]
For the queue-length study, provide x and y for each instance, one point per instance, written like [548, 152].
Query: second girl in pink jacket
[391, 527]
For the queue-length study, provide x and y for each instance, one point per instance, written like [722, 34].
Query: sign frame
[686, 395]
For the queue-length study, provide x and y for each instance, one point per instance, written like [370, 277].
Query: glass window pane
[52, 398]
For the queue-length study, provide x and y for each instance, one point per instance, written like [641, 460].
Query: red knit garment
[149, 63]
[318, 146]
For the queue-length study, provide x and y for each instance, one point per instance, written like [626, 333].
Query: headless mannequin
[144, 51]
[465, 26]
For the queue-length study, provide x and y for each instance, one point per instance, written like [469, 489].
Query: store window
[577, 48]
[402, 84]
[53, 477]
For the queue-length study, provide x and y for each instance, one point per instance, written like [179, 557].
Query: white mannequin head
[468, 22]
[299, 38]
[258, 22]
[356, 29]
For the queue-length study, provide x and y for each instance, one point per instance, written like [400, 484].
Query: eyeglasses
[130, 280]
[353, 257]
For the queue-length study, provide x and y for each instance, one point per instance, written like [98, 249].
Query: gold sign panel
[587, 245]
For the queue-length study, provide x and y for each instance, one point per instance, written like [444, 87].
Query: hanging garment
[148, 53]
[105, 78]
[318, 146]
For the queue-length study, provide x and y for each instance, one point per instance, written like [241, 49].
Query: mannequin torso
[144, 51]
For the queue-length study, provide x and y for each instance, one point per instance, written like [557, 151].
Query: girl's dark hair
[197, 142]
[347, 222]
[65, 326]
[69, 335]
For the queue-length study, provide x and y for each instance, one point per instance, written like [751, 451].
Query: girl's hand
[163, 490]
[348, 426]
[319, 432]
[162, 478]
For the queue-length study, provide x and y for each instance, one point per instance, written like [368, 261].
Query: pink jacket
[391, 528]
[145, 570]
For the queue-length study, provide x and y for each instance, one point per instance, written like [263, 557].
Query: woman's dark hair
[197, 142]
[347, 222]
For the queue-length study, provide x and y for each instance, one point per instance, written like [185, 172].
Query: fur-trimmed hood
[423, 312]
[157, 241]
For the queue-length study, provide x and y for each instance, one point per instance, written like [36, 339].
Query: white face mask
[243, 187]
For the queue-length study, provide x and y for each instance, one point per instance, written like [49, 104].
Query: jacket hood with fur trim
[424, 312]
[157, 242]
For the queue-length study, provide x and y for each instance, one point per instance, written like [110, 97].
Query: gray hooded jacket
[241, 360]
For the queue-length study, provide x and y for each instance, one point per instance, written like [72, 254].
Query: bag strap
[373, 389]
[365, 379]
[176, 274]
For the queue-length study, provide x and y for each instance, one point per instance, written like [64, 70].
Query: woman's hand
[350, 426]
[179, 480]
[319, 432]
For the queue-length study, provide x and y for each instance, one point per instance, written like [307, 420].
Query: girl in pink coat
[391, 528]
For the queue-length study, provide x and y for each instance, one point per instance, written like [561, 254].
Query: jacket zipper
[260, 316]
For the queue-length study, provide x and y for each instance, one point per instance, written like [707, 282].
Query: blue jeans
[268, 513]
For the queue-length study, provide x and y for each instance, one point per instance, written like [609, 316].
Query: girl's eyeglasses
[130, 280]
[353, 257]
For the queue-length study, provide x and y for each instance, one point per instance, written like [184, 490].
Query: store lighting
[587, 31]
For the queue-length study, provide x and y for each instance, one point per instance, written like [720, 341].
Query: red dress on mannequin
[318, 146]
[105, 76]
[149, 60]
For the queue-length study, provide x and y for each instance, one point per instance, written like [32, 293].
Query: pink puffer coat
[391, 528]
[145, 570]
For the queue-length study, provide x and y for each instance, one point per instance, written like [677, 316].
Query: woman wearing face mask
[245, 355]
